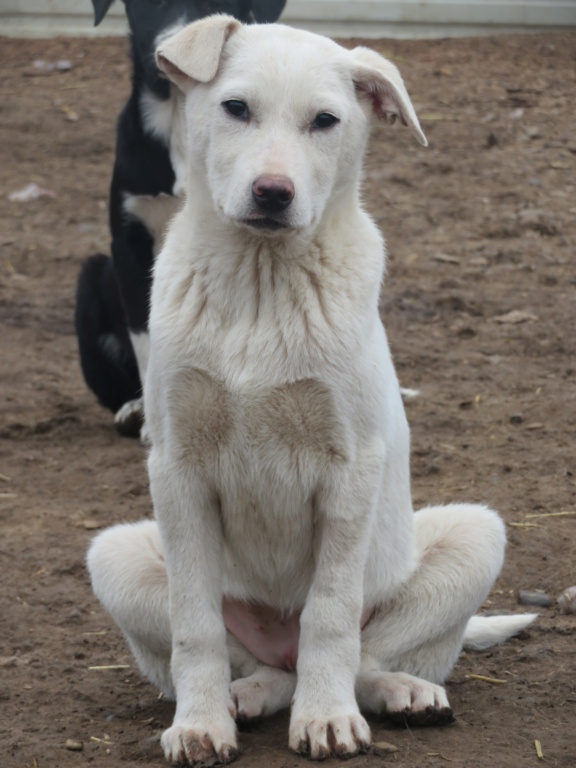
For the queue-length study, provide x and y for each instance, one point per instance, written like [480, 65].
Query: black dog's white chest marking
[162, 119]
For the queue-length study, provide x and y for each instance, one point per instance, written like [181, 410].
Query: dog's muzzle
[272, 195]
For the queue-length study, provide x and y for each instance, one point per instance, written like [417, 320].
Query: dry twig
[539, 749]
[484, 679]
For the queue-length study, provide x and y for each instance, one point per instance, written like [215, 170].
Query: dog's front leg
[203, 731]
[325, 716]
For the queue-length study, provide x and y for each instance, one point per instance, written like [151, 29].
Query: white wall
[344, 18]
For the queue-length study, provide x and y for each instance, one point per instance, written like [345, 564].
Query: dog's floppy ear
[194, 52]
[378, 80]
[100, 9]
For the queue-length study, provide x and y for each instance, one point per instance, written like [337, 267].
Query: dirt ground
[479, 225]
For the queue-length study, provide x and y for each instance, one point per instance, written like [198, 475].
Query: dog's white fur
[279, 465]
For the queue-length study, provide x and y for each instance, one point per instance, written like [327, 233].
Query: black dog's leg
[133, 257]
[106, 355]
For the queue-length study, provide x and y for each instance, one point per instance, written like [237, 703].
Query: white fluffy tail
[484, 631]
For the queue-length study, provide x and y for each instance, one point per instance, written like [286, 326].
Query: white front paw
[342, 734]
[200, 744]
[129, 419]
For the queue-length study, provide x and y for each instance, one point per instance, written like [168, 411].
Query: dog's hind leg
[106, 353]
[412, 642]
[257, 689]
[266, 691]
[129, 577]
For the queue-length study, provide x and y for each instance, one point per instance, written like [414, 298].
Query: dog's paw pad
[423, 718]
[341, 736]
[196, 747]
[130, 418]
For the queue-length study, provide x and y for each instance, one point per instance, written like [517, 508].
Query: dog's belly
[269, 634]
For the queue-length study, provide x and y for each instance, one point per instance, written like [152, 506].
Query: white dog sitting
[285, 555]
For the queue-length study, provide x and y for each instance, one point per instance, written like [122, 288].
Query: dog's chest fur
[265, 453]
[253, 394]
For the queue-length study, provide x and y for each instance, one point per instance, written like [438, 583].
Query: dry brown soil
[480, 224]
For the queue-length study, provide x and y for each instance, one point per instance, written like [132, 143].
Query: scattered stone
[74, 746]
[30, 192]
[92, 525]
[515, 317]
[539, 220]
[63, 65]
[491, 140]
[383, 747]
[526, 597]
[75, 615]
[567, 600]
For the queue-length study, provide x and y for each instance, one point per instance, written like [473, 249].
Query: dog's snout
[273, 193]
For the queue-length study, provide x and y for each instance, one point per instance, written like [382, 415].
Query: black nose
[273, 193]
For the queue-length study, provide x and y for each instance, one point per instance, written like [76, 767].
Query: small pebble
[567, 600]
[384, 746]
[526, 597]
[74, 746]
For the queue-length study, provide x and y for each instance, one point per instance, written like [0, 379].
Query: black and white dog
[113, 293]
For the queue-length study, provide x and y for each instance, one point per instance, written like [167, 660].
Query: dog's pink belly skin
[270, 635]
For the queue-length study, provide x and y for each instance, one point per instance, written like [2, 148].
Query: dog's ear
[100, 9]
[379, 81]
[194, 52]
[266, 11]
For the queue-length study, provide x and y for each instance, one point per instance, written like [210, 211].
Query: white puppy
[285, 555]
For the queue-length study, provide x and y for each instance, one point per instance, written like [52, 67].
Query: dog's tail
[484, 631]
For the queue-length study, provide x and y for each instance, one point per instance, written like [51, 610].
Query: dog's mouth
[264, 222]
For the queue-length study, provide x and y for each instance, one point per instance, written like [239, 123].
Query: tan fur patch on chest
[202, 415]
[300, 418]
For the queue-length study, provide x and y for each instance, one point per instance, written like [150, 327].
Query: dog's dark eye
[236, 108]
[324, 120]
